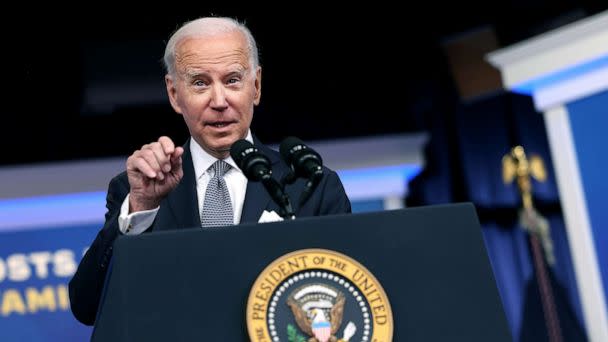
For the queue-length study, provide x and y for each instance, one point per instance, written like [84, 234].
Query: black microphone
[304, 162]
[254, 164]
[257, 168]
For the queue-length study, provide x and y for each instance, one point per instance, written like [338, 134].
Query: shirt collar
[203, 160]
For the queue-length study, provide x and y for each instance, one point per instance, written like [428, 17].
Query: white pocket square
[269, 216]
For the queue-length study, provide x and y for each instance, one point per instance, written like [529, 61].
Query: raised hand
[153, 171]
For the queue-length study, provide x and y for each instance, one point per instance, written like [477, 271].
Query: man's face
[215, 89]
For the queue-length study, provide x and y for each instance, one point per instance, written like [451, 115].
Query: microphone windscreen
[286, 149]
[239, 151]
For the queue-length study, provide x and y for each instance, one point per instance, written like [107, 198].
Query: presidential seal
[318, 295]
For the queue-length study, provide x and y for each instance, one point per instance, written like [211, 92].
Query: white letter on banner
[41, 262]
[65, 265]
[18, 268]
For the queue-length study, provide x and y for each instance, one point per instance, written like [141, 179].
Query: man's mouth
[220, 124]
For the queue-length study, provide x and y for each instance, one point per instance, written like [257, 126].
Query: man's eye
[199, 83]
[233, 80]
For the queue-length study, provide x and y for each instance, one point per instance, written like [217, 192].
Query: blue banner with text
[35, 268]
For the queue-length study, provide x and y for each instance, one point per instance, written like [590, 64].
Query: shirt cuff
[135, 223]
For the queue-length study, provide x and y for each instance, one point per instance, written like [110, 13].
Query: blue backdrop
[35, 268]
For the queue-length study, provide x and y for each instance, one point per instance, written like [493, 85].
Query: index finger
[167, 144]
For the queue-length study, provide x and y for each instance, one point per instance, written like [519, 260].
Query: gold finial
[515, 165]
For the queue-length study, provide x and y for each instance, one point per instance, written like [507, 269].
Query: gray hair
[208, 26]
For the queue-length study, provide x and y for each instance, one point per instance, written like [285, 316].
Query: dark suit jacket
[179, 210]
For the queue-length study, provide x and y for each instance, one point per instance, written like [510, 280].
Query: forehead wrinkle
[195, 60]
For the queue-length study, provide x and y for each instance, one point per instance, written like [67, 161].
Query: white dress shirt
[137, 223]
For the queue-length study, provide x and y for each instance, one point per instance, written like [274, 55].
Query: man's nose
[218, 98]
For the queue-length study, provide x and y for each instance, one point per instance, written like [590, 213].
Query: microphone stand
[310, 186]
[276, 191]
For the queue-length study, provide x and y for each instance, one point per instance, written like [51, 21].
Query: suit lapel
[257, 198]
[183, 200]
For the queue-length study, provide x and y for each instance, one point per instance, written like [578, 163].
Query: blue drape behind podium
[463, 161]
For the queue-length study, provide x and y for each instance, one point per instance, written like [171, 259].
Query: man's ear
[258, 86]
[172, 93]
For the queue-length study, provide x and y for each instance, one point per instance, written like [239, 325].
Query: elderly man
[214, 81]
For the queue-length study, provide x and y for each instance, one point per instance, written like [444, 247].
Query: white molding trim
[43, 179]
[571, 89]
[371, 151]
[577, 222]
[559, 49]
